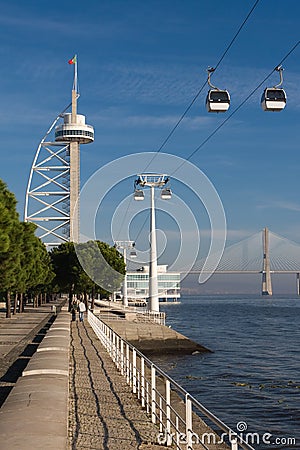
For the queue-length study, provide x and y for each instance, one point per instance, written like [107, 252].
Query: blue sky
[140, 65]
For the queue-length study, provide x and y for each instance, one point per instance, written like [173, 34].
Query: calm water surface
[253, 374]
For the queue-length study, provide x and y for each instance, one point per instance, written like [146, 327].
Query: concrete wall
[35, 414]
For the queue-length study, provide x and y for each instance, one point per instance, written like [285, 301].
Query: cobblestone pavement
[103, 413]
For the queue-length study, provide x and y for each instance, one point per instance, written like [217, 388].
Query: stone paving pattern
[104, 414]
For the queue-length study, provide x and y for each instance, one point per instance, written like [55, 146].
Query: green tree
[86, 268]
[24, 261]
[41, 274]
[66, 268]
[10, 238]
[25, 276]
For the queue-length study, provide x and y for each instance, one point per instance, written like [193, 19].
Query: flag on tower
[73, 60]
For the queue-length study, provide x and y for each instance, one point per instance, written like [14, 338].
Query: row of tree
[27, 270]
[25, 265]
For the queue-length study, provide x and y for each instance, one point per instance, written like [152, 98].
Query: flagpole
[75, 86]
[74, 92]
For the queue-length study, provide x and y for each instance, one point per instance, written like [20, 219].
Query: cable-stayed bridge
[264, 252]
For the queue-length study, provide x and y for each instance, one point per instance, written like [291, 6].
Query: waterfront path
[103, 413]
[70, 395]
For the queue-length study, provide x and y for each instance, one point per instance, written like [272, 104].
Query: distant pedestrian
[81, 309]
[73, 310]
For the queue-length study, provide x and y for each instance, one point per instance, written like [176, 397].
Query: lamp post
[126, 245]
[153, 181]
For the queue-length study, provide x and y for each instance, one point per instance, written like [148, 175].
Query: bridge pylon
[266, 273]
[298, 283]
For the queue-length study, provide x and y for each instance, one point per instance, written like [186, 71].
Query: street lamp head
[124, 244]
[151, 180]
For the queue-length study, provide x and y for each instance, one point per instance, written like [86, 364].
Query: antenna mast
[75, 94]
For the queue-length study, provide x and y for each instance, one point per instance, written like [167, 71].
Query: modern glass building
[138, 284]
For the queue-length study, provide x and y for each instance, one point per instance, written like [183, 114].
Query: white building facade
[138, 284]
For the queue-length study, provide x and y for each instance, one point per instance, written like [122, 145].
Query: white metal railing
[142, 314]
[178, 421]
[150, 316]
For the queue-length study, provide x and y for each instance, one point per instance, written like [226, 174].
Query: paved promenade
[97, 412]
[103, 412]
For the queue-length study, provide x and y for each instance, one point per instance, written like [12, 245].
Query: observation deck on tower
[78, 131]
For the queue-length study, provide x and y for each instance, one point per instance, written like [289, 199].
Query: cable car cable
[236, 109]
[142, 227]
[192, 103]
[120, 229]
[225, 121]
[236, 34]
[194, 100]
[204, 84]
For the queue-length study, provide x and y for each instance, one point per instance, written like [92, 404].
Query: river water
[252, 376]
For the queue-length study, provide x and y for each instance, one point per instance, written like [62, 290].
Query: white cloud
[114, 119]
[280, 204]
[21, 18]
[175, 83]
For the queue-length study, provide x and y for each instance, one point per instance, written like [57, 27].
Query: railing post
[122, 357]
[234, 443]
[153, 394]
[118, 352]
[134, 371]
[113, 347]
[147, 396]
[168, 413]
[188, 422]
[177, 431]
[110, 342]
[127, 364]
[105, 337]
[160, 415]
[143, 381]
[138, 384]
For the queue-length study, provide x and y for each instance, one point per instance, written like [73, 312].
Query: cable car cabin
[273, 99]
[217, 100]
[139, 194]
[166, 194]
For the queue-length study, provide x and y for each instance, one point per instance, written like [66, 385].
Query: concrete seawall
[148, 337]
[154, 339]
[35, 414]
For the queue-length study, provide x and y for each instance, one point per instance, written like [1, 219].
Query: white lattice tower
[52, 195]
